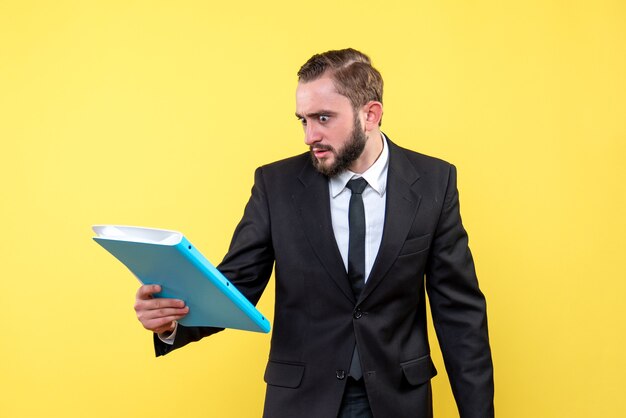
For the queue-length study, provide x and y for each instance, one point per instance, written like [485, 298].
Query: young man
[355, 230]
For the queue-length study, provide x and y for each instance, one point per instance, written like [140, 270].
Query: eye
[302, 121]
[324, 118]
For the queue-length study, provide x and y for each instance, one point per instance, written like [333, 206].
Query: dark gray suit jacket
[287, 226]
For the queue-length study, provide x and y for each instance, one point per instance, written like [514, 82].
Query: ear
[373, 112]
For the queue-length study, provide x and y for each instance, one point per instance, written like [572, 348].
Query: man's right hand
[157, 314]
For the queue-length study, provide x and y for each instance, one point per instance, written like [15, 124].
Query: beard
[344, 158]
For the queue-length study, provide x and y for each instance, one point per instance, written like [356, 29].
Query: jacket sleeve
[459, 311]
[248, 263]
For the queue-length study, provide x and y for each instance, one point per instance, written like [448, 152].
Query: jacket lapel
[312, 203]
[401, 208]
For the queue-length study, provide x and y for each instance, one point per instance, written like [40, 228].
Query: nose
[311, 134]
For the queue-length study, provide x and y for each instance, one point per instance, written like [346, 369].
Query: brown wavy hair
[351, 72]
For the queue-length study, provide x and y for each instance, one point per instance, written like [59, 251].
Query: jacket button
[341, 374]
[357, 314]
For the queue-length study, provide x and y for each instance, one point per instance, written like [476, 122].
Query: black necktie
[356, 254]
[356, 246]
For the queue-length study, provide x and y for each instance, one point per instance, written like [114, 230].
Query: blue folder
[167, 258]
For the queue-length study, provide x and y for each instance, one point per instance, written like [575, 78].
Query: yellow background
[156, 113]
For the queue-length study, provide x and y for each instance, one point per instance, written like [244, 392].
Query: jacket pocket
[415, 245]
[287, 375]
[419, 370]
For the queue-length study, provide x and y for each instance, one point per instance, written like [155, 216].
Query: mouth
[321, 151]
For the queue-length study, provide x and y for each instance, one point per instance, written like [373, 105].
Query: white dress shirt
[373, 202]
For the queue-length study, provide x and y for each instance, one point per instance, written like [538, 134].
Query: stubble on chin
[324, 165]
[343, 158]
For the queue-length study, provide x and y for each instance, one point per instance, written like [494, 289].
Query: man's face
[332, 129]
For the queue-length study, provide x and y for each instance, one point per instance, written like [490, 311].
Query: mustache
[321, 147]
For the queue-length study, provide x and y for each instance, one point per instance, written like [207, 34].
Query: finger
[156, 304]
[161, 324]
[156, 314]
[146, 291]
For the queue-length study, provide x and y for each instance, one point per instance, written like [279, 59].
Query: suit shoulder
[425, 165]
[283, 173]
[423, 160]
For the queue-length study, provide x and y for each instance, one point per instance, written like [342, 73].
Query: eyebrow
[317, 114]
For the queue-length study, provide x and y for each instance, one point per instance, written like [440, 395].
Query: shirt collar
[376, 175]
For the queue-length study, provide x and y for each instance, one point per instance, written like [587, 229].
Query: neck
[373, 149]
